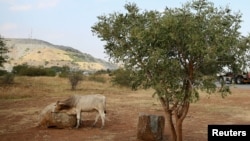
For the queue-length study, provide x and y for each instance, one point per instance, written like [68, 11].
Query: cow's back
[91, 102]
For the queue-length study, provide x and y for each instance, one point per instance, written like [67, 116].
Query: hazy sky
[68, 22]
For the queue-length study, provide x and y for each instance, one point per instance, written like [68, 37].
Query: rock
[63, 119]
[150, 127]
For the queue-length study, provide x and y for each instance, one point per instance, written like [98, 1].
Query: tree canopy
[176, 52]
[3, 51]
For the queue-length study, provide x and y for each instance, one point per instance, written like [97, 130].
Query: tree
[74, 78]
[121, 77]
[3, 51]
[176, 52]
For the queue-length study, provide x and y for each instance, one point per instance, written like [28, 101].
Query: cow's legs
[78, 118]
[102, 114]
[96, 119]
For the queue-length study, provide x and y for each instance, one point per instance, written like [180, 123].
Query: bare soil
[18, 117]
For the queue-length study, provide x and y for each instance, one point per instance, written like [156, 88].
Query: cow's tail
[104, 103]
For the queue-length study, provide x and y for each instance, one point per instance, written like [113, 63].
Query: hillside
[41, 53]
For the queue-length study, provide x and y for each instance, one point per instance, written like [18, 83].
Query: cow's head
[60, 106]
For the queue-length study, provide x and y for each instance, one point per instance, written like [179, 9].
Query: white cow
[85, 103]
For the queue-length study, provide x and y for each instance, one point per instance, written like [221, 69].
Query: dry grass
[35, 87]
[31, 87]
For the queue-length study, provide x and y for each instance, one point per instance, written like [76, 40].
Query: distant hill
[41, 53]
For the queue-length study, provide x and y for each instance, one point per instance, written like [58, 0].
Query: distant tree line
[120, 77]
[25, 70]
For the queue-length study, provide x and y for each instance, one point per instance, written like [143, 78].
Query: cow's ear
[59, 103]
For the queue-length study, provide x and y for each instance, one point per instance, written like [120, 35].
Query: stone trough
[63, 119]
[150, 127]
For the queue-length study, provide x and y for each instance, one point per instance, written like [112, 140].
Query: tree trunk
[73, 87]
[180, 113]
[179, 130]
[169, 120]
[170, 125]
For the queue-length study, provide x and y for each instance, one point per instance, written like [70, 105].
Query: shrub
[97, 78]
[3, 72]
[64, 71]
[25, 70]
[75, 78]
[103, 71]
[7, 79]
[121, 77]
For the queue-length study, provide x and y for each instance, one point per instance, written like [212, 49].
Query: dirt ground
[18, 118]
